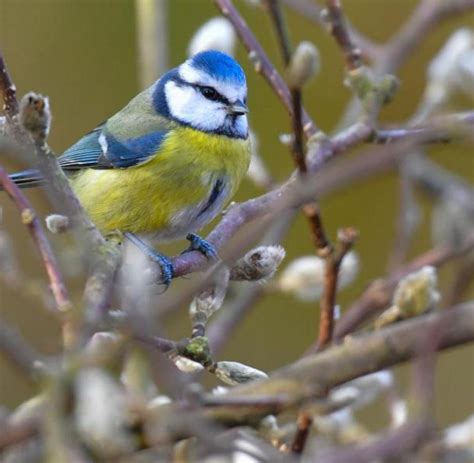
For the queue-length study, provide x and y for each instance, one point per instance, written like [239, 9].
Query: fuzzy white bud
[417, 292]
[304, 277]
[186, 365]
[35, 115]
[101, 415]
[257, 171]
[461, 435]
[414, 295]
[258, 264]
[234, 373]
[452, 69]
[209, 300]
[304, 65]
[216, 34]
[158, 401]
[57, 223]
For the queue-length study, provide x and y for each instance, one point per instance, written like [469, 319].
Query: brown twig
[322, 244]
[346, 238]
[303, 425]
[276, 14]
[341, 34]
[32, 222]
[311, 10]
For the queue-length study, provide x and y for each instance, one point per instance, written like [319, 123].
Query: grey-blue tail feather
[28, 178]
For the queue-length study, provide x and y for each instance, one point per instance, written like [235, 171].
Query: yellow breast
[163, 192]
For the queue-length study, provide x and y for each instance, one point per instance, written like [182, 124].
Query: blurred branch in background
[152, 39]
[102, 397]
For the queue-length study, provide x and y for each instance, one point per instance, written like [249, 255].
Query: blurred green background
[82, 53]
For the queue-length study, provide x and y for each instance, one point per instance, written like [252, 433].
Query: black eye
[209, 93]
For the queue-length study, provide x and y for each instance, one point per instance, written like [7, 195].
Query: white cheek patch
[189, 106]
[194, 76]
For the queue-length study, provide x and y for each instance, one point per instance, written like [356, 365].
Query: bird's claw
[200, 244]
[167, 269]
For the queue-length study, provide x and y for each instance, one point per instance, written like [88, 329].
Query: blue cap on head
[219, 65]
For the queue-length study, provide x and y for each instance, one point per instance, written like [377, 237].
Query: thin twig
[312, 10]
[323, 247]
[341, 34]
[346, 238]
[303, 425]
[276, 14]
[32, 222]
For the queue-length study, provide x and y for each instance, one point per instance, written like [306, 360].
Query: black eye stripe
[212, 94]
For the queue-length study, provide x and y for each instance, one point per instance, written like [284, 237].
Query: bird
[167, 163]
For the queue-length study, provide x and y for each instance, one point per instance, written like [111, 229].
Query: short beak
[238, 109]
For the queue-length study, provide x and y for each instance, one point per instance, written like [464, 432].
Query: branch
[439, 131]
[341, 34]
[346, 239]
[31, 221]
[313, 11]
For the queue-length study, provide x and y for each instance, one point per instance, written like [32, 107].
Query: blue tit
[168, 162]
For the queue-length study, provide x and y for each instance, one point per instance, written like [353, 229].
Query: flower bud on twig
[209, 301]
[57, 223]
[35, 115]
[461, 436]
[258, 264]
[304, 65]
[215, 34]
[186, 365]
[234, 373]
[415, 294]
[304, 277]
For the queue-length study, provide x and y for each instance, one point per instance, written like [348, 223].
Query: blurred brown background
[82, 53]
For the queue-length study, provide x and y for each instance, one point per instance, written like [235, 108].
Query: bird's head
[207, 92]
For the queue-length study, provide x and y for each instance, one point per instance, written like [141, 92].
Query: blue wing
[99, 149]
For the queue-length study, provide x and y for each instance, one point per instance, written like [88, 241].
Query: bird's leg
[200, 244]
[167, 270]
